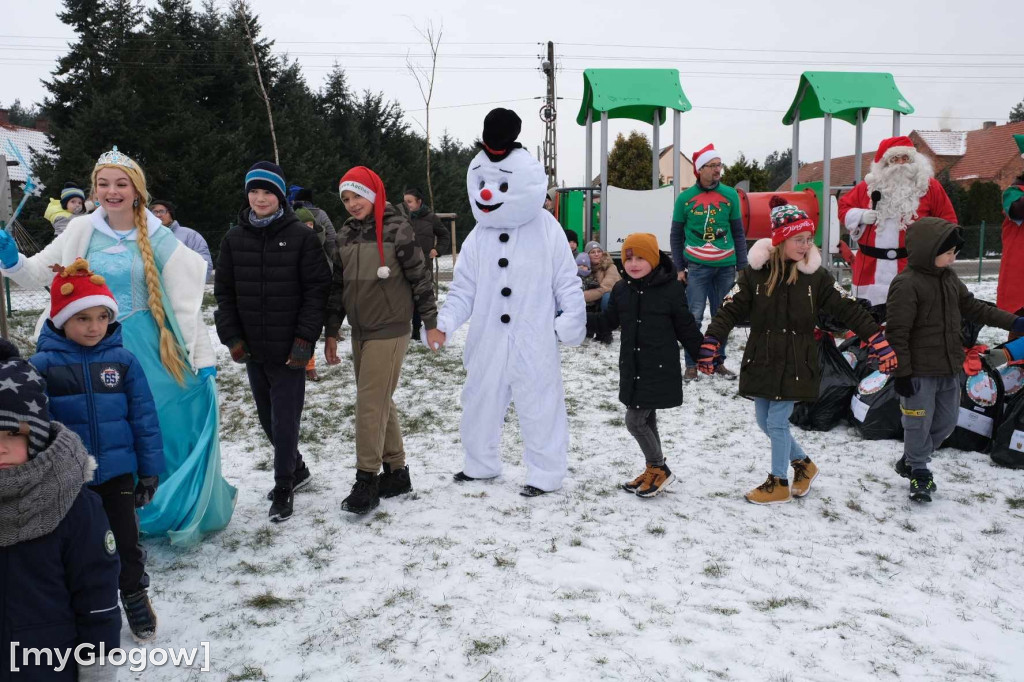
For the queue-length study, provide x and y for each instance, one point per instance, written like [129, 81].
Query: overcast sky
[739, 61]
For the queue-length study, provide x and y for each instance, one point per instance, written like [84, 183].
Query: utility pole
[548, 113]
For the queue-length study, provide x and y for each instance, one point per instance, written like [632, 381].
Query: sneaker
[902, 468]
[804, 471]
[772, 491]
[532, 491]
[312, 375]
[140, 614]
[461, 477]
[690, 374]
[605, 338]
[394, 481]
[364, 496]
[281, 507]
[639, 481]
[659, 479]
[922, 485]
[303, 477]
[722, 371]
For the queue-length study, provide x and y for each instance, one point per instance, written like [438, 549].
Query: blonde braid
[170, 350]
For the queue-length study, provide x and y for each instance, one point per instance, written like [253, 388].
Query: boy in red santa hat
[899, 189]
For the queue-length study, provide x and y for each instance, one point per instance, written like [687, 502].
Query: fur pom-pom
[776, 201]
[383, 272]
[97, 279]
[67, 288]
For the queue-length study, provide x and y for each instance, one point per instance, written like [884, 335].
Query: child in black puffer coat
[650, 306]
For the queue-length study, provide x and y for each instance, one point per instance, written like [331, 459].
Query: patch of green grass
[485, 646]
[1015, 502]
[267, 600]
[854, 505]
[263, 536]
[383, 517]
[713, 569]
[724, 610]
[773, 603]
[983, 496]
[576, 541]
[908, 526]
[994, 529]
[404, 594]
[504, 562]
[249, 672]
[615, 421]
[252, 569]
[655, 530]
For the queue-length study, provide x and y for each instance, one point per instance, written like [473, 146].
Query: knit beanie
[268, 176]
[171, 208]
[24, 407]
[369, 186]
[571, 236]
[642, 245]
[76, 288]
[70, 191]
[787, 220]
[583, 261]
[592, 245]
[954, 240]
[304, 215]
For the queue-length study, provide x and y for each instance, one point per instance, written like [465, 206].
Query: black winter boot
[140, 615]
[394, 481]
[364, 496]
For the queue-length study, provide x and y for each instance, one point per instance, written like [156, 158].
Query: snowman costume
[516, 278]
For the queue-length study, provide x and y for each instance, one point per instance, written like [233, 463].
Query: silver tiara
[115, 158]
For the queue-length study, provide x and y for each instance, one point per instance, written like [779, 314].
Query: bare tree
[425, 82]
[242, 10]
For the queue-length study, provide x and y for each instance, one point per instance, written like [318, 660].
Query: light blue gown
[193, 497]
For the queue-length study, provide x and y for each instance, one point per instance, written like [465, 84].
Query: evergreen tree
[741, 169]
[1017, 113]
[629, 162]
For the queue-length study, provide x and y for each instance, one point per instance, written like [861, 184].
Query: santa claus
[899, 189]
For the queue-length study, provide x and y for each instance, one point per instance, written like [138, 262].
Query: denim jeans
[707, 284]
[773, 419]
[605, 299]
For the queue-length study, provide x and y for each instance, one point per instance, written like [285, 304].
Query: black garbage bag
[981, 408]
[875, 408]
[838, 384]
[856, 356]
[1008, 441]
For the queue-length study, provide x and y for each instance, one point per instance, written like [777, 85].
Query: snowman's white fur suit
[526, 279]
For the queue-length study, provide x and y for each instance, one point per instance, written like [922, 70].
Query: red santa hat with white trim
[702, 156]
[895, 146]
[367, 184]
[76, 288]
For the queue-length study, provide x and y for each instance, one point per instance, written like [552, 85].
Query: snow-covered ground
[474, 582]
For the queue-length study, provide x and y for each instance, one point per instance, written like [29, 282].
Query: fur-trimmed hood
[761, 251]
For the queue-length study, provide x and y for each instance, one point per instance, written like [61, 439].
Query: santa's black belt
[883, 254]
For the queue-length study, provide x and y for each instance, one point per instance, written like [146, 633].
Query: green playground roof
[843, 94]
[631, 93]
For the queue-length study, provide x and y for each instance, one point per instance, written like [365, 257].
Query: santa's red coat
[1010, 290]
[874, 275]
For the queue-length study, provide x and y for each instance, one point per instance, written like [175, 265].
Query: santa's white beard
[901, 186]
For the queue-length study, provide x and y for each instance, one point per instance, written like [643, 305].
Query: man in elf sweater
[708, 243]
[1010, 290]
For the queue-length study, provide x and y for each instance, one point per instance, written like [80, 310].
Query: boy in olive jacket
[923, 311]
[379, 275]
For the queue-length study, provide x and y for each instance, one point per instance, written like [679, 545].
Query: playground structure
[647, 94]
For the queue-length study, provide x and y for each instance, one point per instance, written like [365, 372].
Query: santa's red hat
[703, 156]
[76, 288]
[894, 146]
[367, 184]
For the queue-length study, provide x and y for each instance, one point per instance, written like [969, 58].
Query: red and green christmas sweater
[707, 228]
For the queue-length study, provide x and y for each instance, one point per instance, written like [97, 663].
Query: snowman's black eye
[482, 184]
[503, 187]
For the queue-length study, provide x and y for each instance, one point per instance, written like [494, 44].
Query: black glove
[145, 489]
[302, 351]
[905, 386]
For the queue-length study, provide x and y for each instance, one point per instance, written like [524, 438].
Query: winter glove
[239, 351]
[710, 351]
[205, 372]
[145, 489]
[1018, 326]
[302, 351]
[880, 350]
[905, 386]
[8, 250]
[869, 217]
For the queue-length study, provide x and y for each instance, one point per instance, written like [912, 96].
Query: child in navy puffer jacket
[97, 389]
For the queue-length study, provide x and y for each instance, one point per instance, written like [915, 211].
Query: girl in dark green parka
[781, 290]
